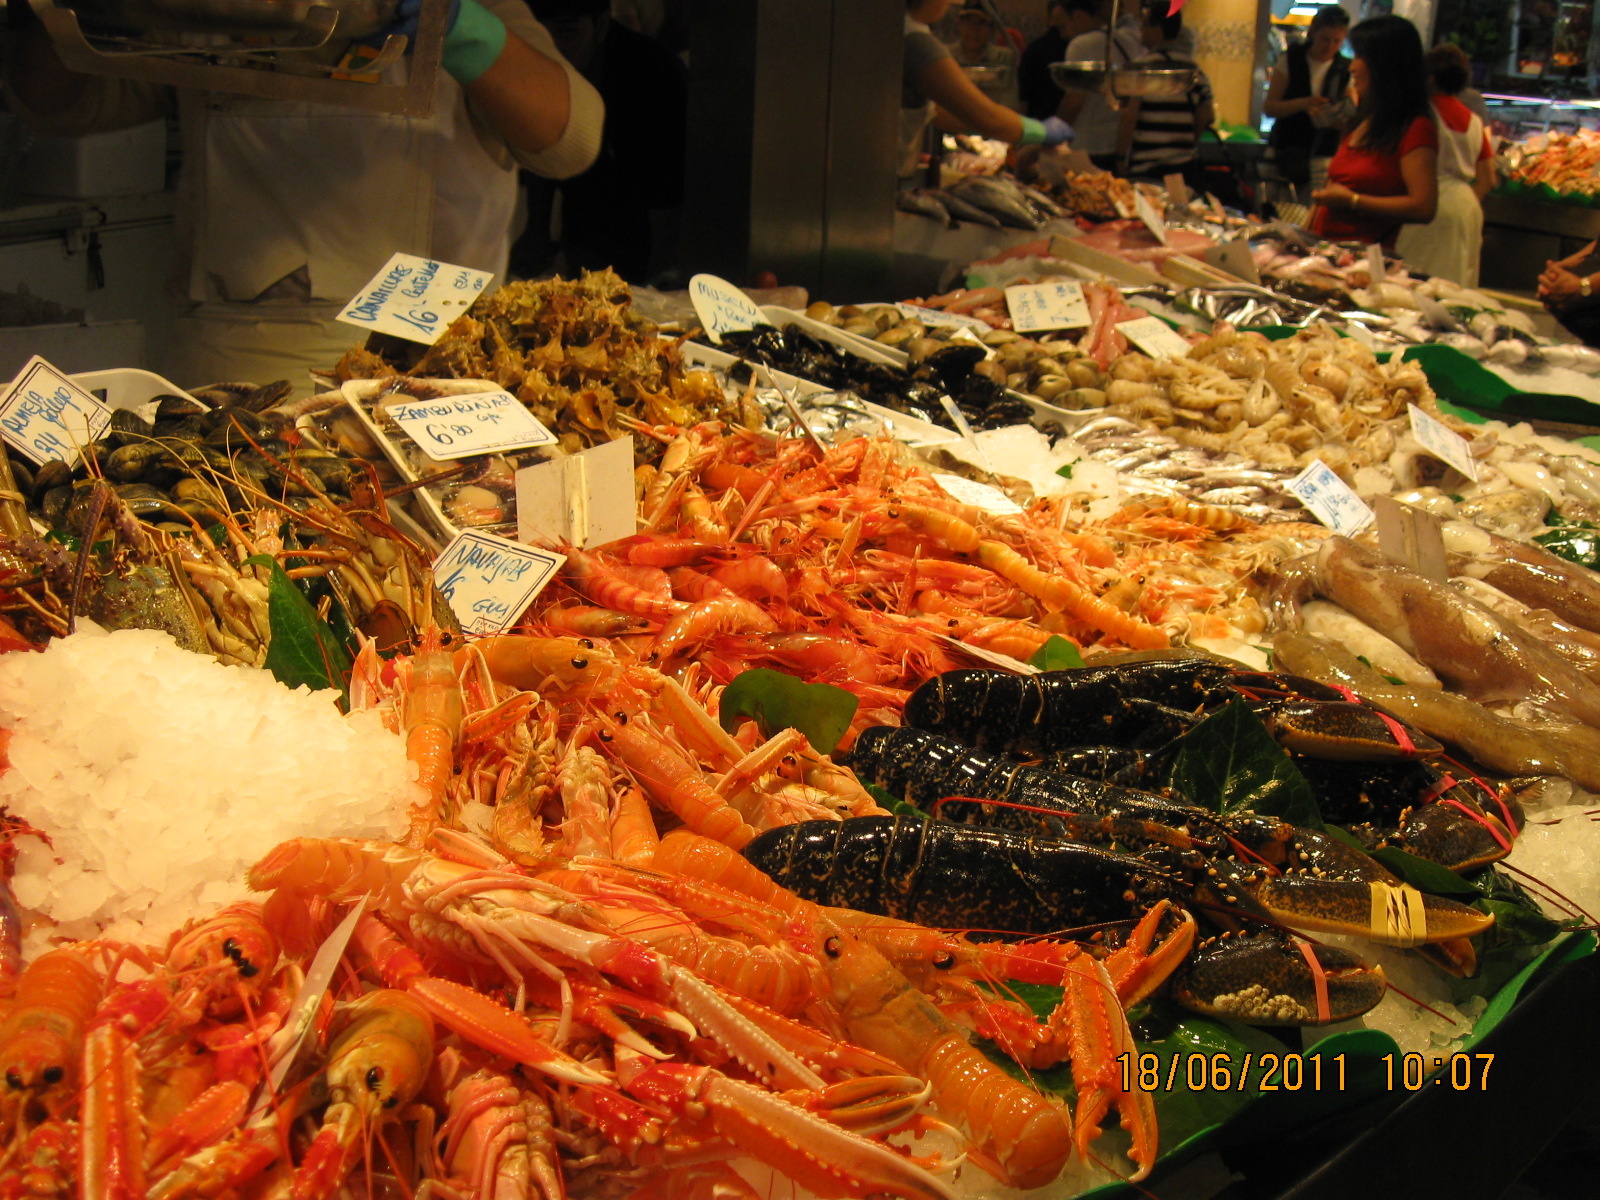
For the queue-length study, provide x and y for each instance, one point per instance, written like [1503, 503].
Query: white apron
[298, 205]
[1450, 245]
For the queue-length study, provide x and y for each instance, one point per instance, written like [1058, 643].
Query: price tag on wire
[477, 423]
[1444, 443]
[1155, 337]
[47, 417]
[415, 298]
[1330, 500]
[721, 307]
[934, 316]
[489, 581]
[1037, 306]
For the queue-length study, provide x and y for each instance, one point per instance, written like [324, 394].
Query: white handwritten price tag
[1036, 306]
[415, 298]
[979, 495]
[721, 307]
[1442, 442]
[477, 423]
[932, 316]
[1155, 337]
[1151, 218]
[490, 580]
[1330, 499]
[48, 417]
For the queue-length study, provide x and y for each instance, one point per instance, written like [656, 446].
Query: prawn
[700, 622]
[41, 1038]
[431, 713]
[1063, 595]
[376, 1066]
[592, 576]
[573, 666]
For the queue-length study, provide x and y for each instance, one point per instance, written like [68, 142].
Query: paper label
[489, 581]
[1235, 258]
[1330, 499]
[415, 298]
[1036, 306]
[979, 495]
[993, 657]
[477, 423]
[1412, 536]
[721, 307]
[583, 500]
[49, 418]
[1442, 442]
[1151, 218]
[1376, 271]
[1155, 337]
[1177, 190]
[932, 316]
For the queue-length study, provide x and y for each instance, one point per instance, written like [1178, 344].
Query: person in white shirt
[1094, 121]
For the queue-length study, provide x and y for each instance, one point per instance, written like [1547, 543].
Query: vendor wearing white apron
[287, 208]
[1449, 245]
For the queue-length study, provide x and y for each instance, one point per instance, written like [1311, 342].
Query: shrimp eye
[13, 1079]
[832, 948]
[604, 736]
[580, 663]
[945, 961]
[248, 969]
[622, 718]
[53, 1074]
[586, 643]
[392, 1101]
[374, 1079]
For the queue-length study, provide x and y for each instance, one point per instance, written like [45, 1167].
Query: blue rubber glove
[473, 38]
[1051, 131]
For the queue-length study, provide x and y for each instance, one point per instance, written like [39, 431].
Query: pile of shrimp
[573, 352]
[1311, 396]
[852, 566]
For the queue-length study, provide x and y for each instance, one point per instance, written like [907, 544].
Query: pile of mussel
[202, 458]
[913, 390]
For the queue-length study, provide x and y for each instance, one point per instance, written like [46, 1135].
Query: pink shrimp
[581, 620]
[754, 577]
[595, 578]
[670, 552]
[701, 622]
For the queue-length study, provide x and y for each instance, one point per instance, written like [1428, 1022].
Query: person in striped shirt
[1160, 137]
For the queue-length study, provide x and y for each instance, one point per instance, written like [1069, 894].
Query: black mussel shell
[137, 460]
[128, 426]
[21, 474]
[955, 362]
[174, 408]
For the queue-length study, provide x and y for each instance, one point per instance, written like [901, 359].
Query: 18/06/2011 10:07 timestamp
[1292, 1072]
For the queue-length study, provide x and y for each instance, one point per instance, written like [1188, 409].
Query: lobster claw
[1344, 730]
[1267, 977]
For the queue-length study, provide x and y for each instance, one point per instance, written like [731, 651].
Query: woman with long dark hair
[1383, 174]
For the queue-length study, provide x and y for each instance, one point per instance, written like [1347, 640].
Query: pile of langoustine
[543, 988]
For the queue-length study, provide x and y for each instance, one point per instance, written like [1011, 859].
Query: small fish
[995, 199]
[924, 204]
[964, 211]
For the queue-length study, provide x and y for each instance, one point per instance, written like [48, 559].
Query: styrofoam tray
[364, 397]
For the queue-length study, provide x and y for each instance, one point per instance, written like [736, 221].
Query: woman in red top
[1383, 174]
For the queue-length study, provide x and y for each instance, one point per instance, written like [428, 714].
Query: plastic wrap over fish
[1244, 305]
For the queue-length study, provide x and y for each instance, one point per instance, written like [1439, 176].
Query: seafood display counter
[659, 878]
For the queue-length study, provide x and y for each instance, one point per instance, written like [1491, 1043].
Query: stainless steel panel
[793, 117]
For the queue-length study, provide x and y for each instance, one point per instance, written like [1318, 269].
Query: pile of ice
[160, 776]
[1560, 848]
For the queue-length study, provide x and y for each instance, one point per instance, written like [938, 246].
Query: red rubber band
[1401, 737]
[1319, 978]
[1481, 819]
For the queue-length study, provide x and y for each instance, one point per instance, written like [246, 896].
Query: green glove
[475, 40]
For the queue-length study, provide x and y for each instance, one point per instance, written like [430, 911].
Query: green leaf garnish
[1065, 469]
[1423, 875]
[303, 650]
[1230, 762]
[1057, 654]
[775, 701]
